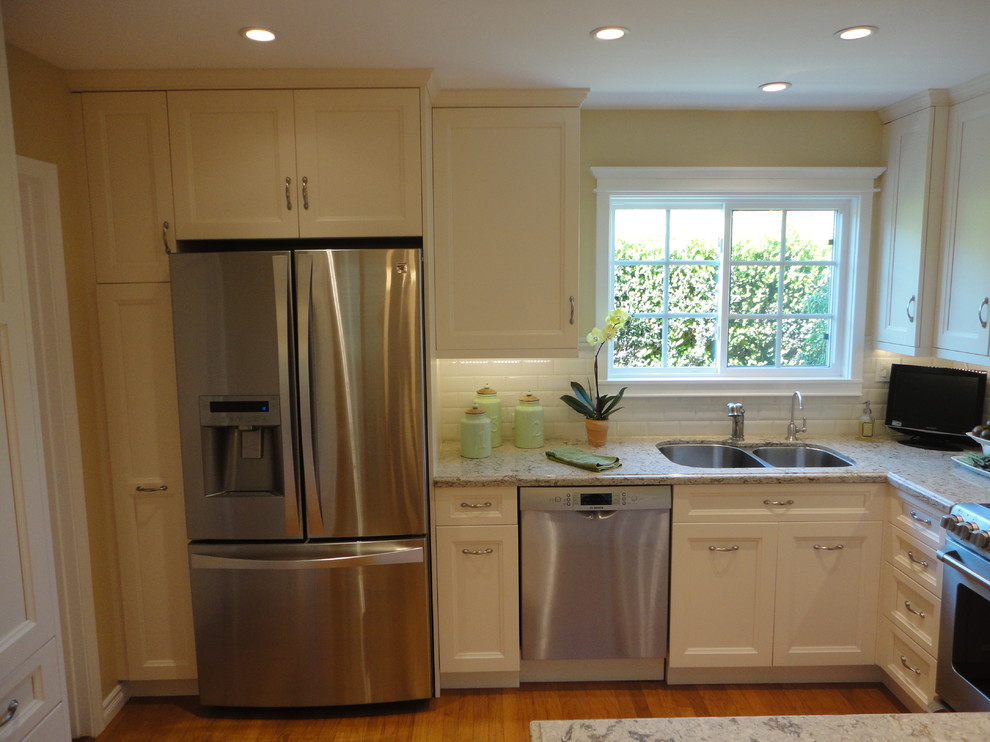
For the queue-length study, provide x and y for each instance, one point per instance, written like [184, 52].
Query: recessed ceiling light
[610, 33]
[258, 34]
[774, 87]
[856, 32]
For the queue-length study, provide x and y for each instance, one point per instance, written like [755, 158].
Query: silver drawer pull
[160, 488]
[904, 662]
[9, 713]
[926, 521]
[922, 562]
[734, 547]
[476, 504]
[477, 552]
[837, 547]
[778, 503]
[920, 614]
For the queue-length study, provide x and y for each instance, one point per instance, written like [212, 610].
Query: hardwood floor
[497, 715]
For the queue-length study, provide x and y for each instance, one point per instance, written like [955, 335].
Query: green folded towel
[583, 459]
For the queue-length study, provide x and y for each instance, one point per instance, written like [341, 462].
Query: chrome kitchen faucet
[738, 416]
[792, 428]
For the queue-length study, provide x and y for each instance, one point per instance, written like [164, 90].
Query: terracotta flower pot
[597, 432]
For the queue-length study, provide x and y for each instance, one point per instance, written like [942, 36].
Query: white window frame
[852, 188]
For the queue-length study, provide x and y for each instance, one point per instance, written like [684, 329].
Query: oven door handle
[944, 556]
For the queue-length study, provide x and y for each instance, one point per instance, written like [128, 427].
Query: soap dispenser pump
[866, 423]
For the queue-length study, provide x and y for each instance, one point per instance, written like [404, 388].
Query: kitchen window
[736, 279]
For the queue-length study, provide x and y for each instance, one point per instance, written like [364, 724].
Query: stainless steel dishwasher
[594, 573]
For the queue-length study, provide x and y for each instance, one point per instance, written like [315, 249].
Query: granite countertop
[931, 476]
[958, 727]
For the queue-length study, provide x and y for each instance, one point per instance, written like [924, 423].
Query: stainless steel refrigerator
[301, 410]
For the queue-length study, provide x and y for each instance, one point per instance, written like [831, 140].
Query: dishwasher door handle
[597, 514]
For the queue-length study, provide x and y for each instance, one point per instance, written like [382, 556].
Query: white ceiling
[680, 54]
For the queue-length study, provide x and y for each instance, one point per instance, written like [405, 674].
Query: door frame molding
[41, 223]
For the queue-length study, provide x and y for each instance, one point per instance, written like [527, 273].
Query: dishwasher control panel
[631, 497]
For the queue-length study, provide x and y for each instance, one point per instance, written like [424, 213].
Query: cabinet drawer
[908, 665]
[919, 520]
[777, 502]
[910, 608]
[32, 691]
[456, 506]
[913, 558]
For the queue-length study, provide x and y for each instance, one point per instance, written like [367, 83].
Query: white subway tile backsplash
[458, 380]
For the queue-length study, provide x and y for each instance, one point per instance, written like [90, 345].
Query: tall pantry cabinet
[126, 137]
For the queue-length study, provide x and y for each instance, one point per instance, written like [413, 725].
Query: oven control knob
[964, 529]
[979, 539]
[948, 522]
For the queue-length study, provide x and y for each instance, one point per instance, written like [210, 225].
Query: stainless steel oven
[962, 680]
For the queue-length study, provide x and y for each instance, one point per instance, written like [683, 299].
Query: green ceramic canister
[487, 399]
[476, 434]
[528, 423]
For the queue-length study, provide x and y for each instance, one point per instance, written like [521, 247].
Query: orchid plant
[591, 402]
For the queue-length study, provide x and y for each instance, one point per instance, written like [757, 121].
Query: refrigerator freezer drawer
[311, 624]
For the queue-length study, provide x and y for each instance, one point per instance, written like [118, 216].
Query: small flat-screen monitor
[936, 406]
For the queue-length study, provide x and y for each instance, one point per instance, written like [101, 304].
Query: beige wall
[47, 127]
[649, 138]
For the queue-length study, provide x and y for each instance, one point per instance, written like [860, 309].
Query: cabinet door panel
[359, 163]
[964, 309]
[130, 184]
[142, 418]
[232, 151]
[478, 596]
[506, 216]
[910, 218]
[827, 581]
[721, 594]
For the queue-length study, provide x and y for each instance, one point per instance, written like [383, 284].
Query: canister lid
[474, 410]
[486, 390]
[529, 398]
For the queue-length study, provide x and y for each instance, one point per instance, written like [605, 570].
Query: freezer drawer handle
[477, 552]
[399, 556]
[476, 504]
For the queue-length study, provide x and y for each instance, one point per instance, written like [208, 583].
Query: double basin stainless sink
[722, 456]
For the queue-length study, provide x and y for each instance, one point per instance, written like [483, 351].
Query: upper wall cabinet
[910, 220]
[964, 307]
[306, 163]
[506, 190]
[130, 185]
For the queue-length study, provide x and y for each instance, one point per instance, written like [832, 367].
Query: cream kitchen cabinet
[506, 230]
[130, 185]
[477, 584]
[910, 599]
[963, 328]
[303, 163]
[773, 576]
[142, 419]
[910, 223]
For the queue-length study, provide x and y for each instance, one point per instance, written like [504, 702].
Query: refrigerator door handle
[413, 555]
[304, 294]
[283, 323]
